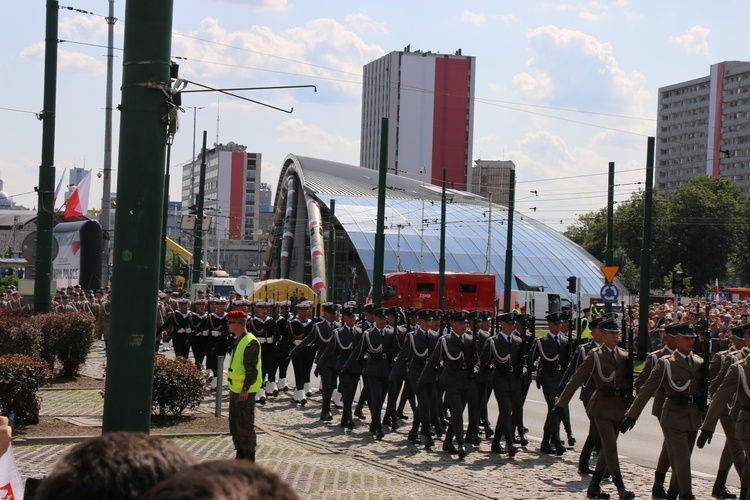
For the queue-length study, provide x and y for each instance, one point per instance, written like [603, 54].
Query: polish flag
[79, 199]
[59, 185]
[716, 291]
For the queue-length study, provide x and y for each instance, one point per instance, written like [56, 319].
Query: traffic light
[678, 282]
[572, 282]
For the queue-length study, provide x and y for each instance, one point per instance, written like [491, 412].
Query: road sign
[610, 293]
[610, 272]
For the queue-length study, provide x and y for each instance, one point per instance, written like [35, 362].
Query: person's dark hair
[223, 480]
[116, 466]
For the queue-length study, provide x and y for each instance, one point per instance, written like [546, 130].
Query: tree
[590, 232]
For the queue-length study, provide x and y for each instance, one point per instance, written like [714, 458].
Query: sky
[562, 89]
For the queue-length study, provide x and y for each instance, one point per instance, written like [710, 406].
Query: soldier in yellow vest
[585, 325]
[244, 378]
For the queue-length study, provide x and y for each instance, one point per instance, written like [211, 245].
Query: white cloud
[695, 41]
[260, 5]
[507, 18]
[573, 69]
[313, 138]
[66, 60]
[362, 23]
[475, 18]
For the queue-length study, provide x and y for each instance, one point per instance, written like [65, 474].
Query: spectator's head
[223, 480]
[116, 466]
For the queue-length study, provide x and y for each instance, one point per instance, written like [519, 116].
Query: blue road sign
[610, 293]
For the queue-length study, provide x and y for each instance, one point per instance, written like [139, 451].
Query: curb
[62, 440]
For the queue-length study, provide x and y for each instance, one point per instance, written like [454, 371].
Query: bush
[20, 378]
[18, 335]
[66, 338]
[178, 386]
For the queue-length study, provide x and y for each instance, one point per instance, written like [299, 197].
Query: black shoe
[522, 440]
[512, 450]
[498, 448]
[585, 469]
[461, 452]
[473, 439]
[659, 492]
[285, 388]
[359, 414]
[560, 450]
[379, 434]
[350, 424]
[488, 432]
[571, 440]
[308, 394]
[276, 393]
[547, 448]
[387, 420]
[625, 494]
[450, 448]
[721, 491]
[428, 443]
[402, 416]
[394, 425]
[596, 493]
[303, 402]
[262, 400]
[413, 437]
[328, 416]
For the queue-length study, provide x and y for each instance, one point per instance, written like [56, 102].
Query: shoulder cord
[255, 331]
[320, 335]
[672, 384]
[338, 341]
[369, 345]
[598, 364]
[501, 359]
[414, 347]
[291, 330]
[544, 356]
[444, 342]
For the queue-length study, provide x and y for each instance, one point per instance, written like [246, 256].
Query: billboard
[79, 260]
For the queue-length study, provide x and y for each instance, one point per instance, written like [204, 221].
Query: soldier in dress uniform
[315, 344]
[396, 379]
[302, 361]
[379, 345]
[526, 332]
[285, 346]
[65, 306]
[607, 365]
[458, 354]
[221, 339]
[733, 390]
[200, 339]
[367, 321]
[550, 356]
[263, 327]
[484, 385]
[680, 376]
[339, 349]
[177, 328]
[502, 361]
[596, 337]
[662, 464]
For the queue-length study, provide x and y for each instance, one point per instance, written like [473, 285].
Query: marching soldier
[662, 464]
[285, 346]
[367, 321]
[221, 339]
[458, 354]
[681, 378]
[396, 378]
[607, 366]
[200, 339]
[302, 360]
[176, 324]
[503, 360]
[344, 338]
[65, 306]
[484, 384]
[264, 328]
[551, 353]
[379, 344]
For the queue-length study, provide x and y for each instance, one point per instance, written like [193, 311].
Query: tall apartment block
[231, 191]
[428, 99]
[703, 128]
[492, 178]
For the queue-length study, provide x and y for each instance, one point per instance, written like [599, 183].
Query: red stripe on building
[449, 144]
[237, 195]
[718, 111]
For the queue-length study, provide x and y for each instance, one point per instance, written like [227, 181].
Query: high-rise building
[231, 190]
[428, 99]
[703, 128]
[492, 177]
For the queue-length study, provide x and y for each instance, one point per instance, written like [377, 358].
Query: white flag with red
[79, 199]
[11, 487]
[716, 291]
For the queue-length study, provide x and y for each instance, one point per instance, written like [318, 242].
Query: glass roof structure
[541, 255]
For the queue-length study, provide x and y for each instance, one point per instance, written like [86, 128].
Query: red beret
[234, 315]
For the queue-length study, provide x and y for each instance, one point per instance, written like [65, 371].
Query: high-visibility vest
[236, 372]
[585, 330]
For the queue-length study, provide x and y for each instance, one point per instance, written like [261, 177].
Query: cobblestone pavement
[321, 460]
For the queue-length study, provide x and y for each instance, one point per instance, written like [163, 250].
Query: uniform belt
[184, 330]
[385, 356]
[297, 342]
[458, 366]
[611, 392]
[204, 333]
[265, 340]
[555, 367]
[505, 368]
[685, 399]
[215, 333]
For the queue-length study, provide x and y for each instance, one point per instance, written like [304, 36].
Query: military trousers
[242, 422]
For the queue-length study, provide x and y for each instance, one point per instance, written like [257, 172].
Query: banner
[11, 487]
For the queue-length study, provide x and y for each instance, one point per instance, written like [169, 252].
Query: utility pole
[46, 188]
[377, 265]
[610, 225]
[644, 292]
[140, 187]
[164, 218]
[441, 262]
[107, 168]
[198, 235]
[509, 243]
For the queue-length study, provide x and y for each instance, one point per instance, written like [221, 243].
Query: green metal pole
[509, 244]
[164, 217]
[610, 224]
[644, 292]
[46, 189]
[441, 262]
[140, 188]
[377, 265]
[198, 238]
[331, 249]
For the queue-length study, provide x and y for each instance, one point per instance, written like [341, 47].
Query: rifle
[629, 335]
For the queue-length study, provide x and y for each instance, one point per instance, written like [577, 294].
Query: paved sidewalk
[321, 460]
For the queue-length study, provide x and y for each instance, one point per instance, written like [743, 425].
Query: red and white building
[703, 128]
[428, 99]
